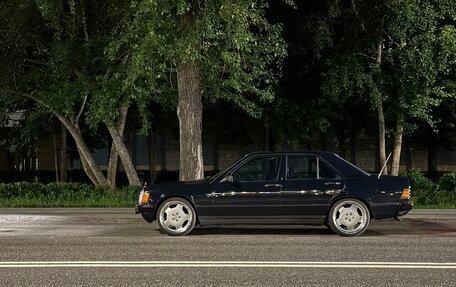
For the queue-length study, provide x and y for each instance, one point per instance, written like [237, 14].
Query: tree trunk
[397, 144]
[381, 115]
[63, 154]
[112, 167]
[162, 148]
[151, 148]
[34, 161]
[190, 113]
[87, 169]
[382, 137]
[124, 155]
[88, 162]
[90, 167]
[114, 155]
[56, 158]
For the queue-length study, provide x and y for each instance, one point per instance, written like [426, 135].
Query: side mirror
[228, 178]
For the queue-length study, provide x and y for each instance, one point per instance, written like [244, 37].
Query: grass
[113, 199]
[26, 194]
[65, 195]
[435, 206]
[438, 199]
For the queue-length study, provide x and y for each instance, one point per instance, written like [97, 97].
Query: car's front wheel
[349, 217]
[176, 216]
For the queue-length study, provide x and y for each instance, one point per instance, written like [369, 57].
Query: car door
[249, 193]
[307, 189]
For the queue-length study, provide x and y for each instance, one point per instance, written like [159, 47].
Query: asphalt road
[63, 252]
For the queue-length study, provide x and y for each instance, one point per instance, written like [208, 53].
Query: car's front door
[308, 188]
[250, 193]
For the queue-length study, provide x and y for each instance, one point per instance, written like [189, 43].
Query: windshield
[228, 168]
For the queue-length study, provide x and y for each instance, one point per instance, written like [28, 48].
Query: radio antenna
[380, 173]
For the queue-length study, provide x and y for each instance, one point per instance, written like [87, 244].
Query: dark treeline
[93, 71]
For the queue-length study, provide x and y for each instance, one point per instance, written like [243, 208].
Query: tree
[299, 117]
[420, 35]
[60, 66]
[403, 71]
[211, 49]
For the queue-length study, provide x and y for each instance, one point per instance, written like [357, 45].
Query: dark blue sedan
[304, 188]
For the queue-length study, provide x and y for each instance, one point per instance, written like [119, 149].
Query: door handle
[333, 183]
[273, 185]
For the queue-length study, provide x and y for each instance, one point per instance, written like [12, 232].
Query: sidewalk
[127, 215]
[70, 215]
[432, 214]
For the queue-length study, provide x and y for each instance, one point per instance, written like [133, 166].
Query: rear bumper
[404, 208]
[147, 212]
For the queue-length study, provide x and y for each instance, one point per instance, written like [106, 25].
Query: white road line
[225, 264]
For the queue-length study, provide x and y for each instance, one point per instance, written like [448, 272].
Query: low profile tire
[176, 217]
[349, 217]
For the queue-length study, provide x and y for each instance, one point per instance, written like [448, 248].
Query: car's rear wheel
[349, 217]
[176, 216]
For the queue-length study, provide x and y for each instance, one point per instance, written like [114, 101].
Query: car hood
[174, 184]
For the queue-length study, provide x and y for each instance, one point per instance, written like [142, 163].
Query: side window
[258, 169]
[308, 167]
[326, 172]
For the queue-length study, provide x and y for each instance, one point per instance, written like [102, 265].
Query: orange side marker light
[144, 198]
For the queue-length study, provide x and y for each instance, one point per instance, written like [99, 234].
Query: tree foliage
[418, 56]
[87, 62]
[232, 42]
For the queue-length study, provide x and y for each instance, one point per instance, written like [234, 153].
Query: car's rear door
[252, 193]
[307, 189]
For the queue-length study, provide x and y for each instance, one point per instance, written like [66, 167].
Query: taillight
[406, 193]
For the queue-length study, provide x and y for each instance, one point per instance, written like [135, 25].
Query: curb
[434, 215]
[68, 219]
[69, 215]
[127, 215]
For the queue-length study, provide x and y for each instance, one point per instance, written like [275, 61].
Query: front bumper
[147, 211]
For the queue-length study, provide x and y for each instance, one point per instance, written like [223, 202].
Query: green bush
[418, 181]
[423, 189]
[26, 194]
[448, 182]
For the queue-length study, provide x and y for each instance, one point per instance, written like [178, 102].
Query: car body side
[381, 195]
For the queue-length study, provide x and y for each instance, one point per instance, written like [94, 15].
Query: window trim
[257, 157]
[339, 176]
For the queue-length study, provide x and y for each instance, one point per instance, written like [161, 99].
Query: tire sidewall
[333, 225]
[170, 232]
